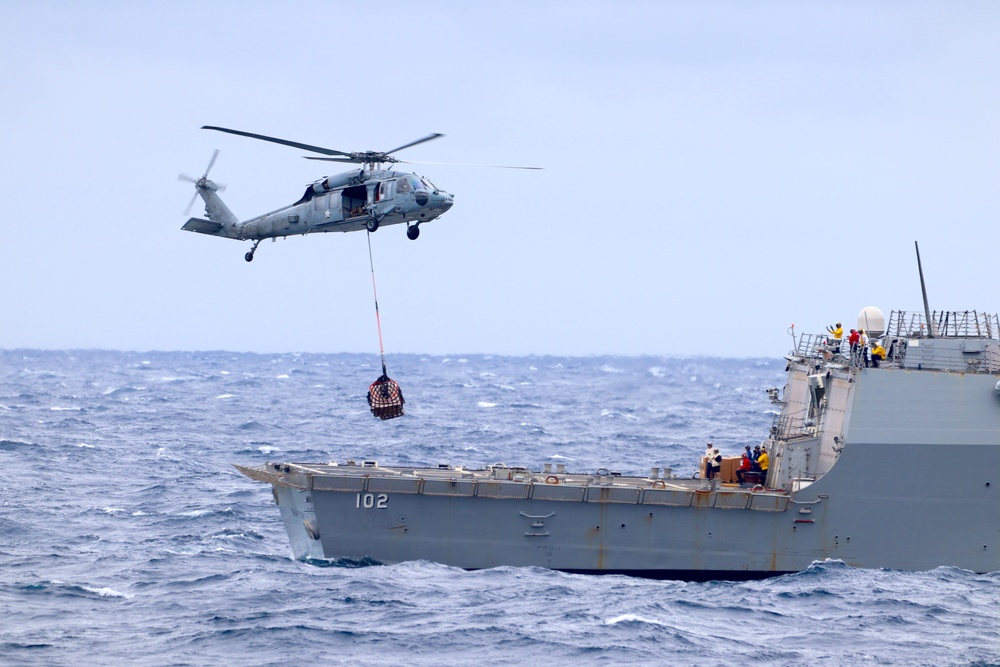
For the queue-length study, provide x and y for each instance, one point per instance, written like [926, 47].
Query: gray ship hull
[894, 467]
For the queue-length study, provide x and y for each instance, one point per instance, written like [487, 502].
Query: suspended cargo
[385, 398]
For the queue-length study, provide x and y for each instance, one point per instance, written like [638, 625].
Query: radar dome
[872, 321]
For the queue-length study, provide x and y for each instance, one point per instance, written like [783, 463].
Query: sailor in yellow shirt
[763, 462]
[838, 335]
[878, 353]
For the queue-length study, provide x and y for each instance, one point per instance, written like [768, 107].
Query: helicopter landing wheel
[249, 256]
[371, 225]
[412, 232]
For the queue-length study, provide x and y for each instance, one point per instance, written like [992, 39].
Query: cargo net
[385, 398]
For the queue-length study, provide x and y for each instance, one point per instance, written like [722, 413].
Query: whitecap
[226, 396]
[617, 415]
[632, 618]
[83, 444]
[611, 369]
[112, 510]
[61, 409]
[658, 372]
[105, 592]
[283, 376]
[484, 404]
[267, 449]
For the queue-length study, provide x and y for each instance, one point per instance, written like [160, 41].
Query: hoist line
[378, 321]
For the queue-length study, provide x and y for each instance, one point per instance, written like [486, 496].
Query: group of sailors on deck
[756, 461]
[863, 351]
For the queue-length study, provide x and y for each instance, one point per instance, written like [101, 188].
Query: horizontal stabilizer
[202, 226]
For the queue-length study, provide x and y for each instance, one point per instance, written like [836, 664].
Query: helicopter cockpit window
[429, 185]
[403, 186]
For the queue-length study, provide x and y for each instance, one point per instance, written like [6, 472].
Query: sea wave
[129, 538]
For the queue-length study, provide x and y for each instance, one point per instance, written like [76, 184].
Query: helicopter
[362, 199]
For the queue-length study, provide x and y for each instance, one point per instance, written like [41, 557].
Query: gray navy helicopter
[365, 198]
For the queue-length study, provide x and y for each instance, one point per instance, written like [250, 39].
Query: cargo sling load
[385, 398]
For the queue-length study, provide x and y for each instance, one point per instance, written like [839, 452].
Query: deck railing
[944, 324]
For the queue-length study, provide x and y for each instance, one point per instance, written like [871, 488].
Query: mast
[923, 290]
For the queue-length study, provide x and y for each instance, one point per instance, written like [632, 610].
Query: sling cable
[384, 396]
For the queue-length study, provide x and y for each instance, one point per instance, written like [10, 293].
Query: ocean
[127, 537]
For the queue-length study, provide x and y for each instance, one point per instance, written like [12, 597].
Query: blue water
[126, 536]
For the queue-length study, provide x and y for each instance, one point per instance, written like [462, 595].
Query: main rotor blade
[461, 164]
[414, 143]
[335, 159]
[284, 142]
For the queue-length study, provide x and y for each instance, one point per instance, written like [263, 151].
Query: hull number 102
[371, 501]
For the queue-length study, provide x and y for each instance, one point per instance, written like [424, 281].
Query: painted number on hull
[371, 501]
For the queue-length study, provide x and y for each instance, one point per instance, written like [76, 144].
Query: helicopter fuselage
[351, 201]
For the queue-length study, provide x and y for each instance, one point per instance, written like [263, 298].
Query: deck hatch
[502, 490]
[338, 483]
[449, 487]
[557, 492]
[612, 494]
[667, 497]
[731, 501]
[393, 485]
[768, 503]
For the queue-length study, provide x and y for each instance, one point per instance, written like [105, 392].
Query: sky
[714, 172]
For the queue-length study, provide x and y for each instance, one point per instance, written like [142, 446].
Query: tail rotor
[202, 183]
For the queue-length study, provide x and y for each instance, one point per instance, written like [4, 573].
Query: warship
[878, 467]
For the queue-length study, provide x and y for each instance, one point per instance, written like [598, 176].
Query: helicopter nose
[448, 201]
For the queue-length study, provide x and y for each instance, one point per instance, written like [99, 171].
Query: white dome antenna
[872, 321]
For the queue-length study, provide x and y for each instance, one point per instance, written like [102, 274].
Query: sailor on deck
[716, 460]
[838, 335]
[745, 464]
[763, 462]
[878, 353]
